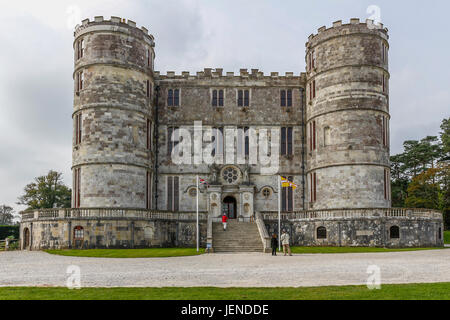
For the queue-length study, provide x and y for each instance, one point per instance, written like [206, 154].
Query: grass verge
[129, 253]
[435, 291]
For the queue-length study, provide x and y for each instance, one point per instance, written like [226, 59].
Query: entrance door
[26, 238]
[229, 207]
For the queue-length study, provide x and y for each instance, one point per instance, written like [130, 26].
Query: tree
[47, 192]
[423, 191]
[6, 215]
[445, 139]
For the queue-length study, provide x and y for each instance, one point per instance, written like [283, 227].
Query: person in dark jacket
[274, 244]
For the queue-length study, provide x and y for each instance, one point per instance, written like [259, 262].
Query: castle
[142, 138]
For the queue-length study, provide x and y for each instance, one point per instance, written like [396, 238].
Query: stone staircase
[239, 237]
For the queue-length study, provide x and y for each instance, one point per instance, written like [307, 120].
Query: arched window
[394, 232]
[321, 233]
[78, 233]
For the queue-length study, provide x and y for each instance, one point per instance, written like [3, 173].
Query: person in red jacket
[224, 221]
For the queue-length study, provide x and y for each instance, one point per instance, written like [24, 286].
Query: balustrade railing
[353, 213]
[110, 213]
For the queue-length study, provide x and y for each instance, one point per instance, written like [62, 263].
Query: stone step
[239, 237]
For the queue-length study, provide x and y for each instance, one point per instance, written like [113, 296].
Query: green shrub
[7, 231]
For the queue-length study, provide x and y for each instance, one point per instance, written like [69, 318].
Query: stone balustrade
[109, 213]
[354, 213]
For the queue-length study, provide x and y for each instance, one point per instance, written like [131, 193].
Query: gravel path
[226, 270]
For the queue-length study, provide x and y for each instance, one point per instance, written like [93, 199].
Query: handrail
[262, 231]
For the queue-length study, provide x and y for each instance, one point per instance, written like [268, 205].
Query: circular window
[266, 192]
[230, 175]
[193, 192]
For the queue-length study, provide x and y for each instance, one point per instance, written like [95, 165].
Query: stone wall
[112, 233]
[363, 232]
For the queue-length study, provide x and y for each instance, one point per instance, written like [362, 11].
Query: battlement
[354, 23]
[218, 73]
[114, 21]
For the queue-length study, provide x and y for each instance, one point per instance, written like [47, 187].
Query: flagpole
[198, 191]
[279, 213]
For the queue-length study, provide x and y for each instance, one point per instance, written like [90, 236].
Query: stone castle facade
[328, 128]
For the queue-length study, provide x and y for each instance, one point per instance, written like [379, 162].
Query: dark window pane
[176, 190]
[176, 100]
[220, 98]
[289, 98]
[283, 98]
[283, 141]
[169, 194]
[214, 98]
[289, 141]
[321, 233]
[170, 98]
[246, 98]
[240, 98]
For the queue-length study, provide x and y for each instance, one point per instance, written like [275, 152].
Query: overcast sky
[36, 62]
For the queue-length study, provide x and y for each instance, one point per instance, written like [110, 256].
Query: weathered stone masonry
[126, 185]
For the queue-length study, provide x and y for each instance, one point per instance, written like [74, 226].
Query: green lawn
[447, 237]
[440, 291]
[129, 253]
[304, 250]
[181, 252]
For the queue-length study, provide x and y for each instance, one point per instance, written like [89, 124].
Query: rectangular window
[286, 98]
[214, 98]
[148, 89]
[77, 187]
[78, 128]
[384, 53]
[283, 98]
[173, 97]
[387, 184]
[313, 187]
[217, 98]
[80, 81]
[287, 141]
[289, 98]
[243, 142]
[243, 98]
[312, 136]
[221, 98]
[287, 198]
[149, 57]
[149, 134]
[384, 84]
[218, 141]
[80, 49]
[172, 139]
[148, 191]
[314, 89]
[173, 193]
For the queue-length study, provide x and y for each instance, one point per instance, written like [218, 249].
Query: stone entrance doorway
[26, 238]
[229, 207]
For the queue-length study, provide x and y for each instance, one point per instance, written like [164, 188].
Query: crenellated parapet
[339, 29]
[210, 73]
[116, 24]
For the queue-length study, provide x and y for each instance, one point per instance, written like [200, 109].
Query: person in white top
[285, 242]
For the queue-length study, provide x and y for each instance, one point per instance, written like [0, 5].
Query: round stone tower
[113, 118]
[348, 116]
